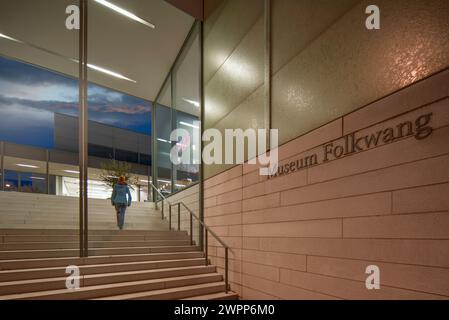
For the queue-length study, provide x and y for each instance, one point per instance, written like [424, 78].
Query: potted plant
[114, 169]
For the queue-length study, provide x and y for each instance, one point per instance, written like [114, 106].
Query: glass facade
[54, 134]
[178, 107]
[40, 104]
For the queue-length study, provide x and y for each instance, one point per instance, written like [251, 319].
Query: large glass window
[187, 105]
[164, 114]
[39, 98]
[179, 107]
[38, 80]
[119, 96]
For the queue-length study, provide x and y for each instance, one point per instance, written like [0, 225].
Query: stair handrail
[205, 227]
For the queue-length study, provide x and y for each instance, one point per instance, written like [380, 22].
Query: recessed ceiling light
[37, 178]
[72, 171]
[9, 38]
[90, 66]
[124, 12]
[106, 71]
[189, 125]
[163, 140]
[195, 103]
[109, 72]
[26, 166]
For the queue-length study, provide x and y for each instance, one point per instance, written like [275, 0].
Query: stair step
[14, 287]
[61, 213]
[95, 244]
[216, 296]
[93, 238]
[115, 289]
[53, 253]
[49, 231]
[56, 272]
[98, 226]
[172, 293]
[95, 260]
[112, 222]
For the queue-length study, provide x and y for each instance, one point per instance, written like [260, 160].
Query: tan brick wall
[311, 234]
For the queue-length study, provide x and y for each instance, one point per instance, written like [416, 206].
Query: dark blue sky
[29, 96]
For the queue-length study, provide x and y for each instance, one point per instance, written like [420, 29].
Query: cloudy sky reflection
[29, 96]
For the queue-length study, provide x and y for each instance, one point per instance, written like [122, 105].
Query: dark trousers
[121, 210]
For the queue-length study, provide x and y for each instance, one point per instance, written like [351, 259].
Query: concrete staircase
[38, 211]
[126, 264]
[39, 239]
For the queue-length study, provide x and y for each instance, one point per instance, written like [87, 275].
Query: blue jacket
[119, 195]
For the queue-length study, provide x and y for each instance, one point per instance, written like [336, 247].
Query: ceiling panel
[116, 43]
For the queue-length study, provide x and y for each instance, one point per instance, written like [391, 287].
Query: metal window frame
[197, 28]
[83, 130]
[268, 65]
[2, 165]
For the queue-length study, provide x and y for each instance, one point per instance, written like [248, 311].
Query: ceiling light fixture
[125, 13]
[189, 125]
[107, 71]
[72, 171]
[163, 140]
[9, 38]
[91, 66]
[195, 103]
[37, 178]
[110, 73]
[26, 165]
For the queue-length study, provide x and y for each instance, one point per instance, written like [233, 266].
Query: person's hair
[122, 179]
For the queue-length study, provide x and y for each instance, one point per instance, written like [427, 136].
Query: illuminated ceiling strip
[72, 171]
[189, 125]
[9, 38]
[195, 103]
[163, 140]
[125, 13]
[91, 66]
[109, 72]
[26, 165]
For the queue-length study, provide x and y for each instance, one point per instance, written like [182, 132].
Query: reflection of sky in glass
[29, 96]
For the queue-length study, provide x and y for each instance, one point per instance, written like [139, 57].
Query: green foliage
[113, 169]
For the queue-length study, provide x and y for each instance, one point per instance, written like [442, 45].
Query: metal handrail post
[226, 270]
[204, 228]
[206, 247]
[179, 216]
[169, 217]
[191, 230]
